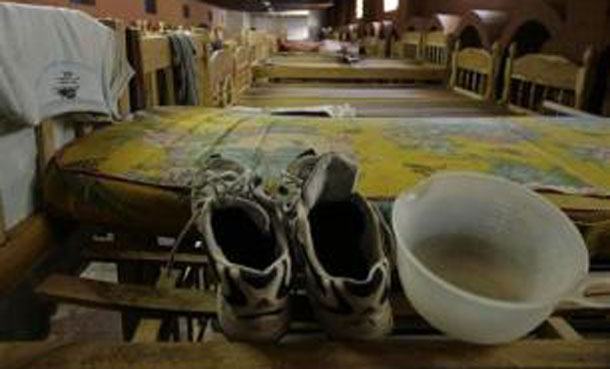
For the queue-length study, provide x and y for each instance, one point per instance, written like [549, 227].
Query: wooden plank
[566, 110]
[2, 223]
[115, 296]
[148, 329]
[135, 273]
[111, 253]
[420, 354]
[557, 327]
[547, 70]
[27, 243]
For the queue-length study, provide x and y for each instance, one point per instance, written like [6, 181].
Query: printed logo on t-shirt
[67, 85]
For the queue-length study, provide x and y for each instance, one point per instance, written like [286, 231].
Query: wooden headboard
[409, 45]
[534, 78]
[243, 67]
[264, 45]
[372, 43]
[217, 71]
[155, 71]
[435, 48]
[219, 80]
[474, 71]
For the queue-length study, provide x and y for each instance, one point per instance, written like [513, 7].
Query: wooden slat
[557, 327]
[45, 143]
[110, 253]
[170, 86]
[420, 354]
[114, 296]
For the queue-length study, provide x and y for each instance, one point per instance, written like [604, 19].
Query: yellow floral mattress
[137, 174]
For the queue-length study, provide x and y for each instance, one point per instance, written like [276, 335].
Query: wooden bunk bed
[533, 79]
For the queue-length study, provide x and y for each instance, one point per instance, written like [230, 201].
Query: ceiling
[276, 5]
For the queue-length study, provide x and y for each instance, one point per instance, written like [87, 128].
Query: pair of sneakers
[316, 227]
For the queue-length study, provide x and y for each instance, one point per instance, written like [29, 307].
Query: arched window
[390, 5]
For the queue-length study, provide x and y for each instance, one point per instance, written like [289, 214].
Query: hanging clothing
[184, 56]
[55, 61]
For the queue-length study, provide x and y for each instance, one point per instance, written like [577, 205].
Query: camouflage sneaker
[248, 250]
[344, 244]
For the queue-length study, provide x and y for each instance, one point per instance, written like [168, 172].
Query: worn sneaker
[344, 246]
[248, 250]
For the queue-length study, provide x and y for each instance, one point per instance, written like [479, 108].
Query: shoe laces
[208, 185]
[219, 186]
[290, 192]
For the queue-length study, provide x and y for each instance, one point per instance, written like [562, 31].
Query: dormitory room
[337, 184]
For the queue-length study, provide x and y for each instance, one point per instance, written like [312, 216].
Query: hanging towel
[55, 61]
[184, 56]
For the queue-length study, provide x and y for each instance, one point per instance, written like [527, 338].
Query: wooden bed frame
[373, 45]
[408, 46]
[532, 79]
[224, 73]
[474, 71]
[219, 78]
[431, 47]
[436, 48]
[264, 45]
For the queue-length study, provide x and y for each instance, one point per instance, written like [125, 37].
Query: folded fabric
[184, 62]
[55, 61]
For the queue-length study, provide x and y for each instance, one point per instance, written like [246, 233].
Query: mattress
[330, 68]
[372, 100]
[137, 174]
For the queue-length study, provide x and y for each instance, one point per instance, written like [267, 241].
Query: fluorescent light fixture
[390, 5]
[292, 13]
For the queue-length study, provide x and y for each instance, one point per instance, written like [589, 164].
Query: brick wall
[169, 11]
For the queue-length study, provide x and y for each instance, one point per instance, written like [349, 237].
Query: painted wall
[297, 28]
[235, 22]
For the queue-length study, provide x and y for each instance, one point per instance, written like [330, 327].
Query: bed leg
[135, 273]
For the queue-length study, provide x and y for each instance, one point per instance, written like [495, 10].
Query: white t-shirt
[55, 61]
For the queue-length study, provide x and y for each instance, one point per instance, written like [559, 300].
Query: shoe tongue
[332, 178]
